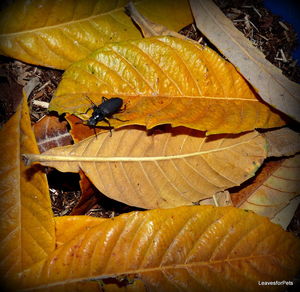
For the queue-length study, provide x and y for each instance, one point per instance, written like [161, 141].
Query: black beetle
[105, 110]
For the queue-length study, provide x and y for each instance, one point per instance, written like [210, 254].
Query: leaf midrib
[69, 158]
[155, 269]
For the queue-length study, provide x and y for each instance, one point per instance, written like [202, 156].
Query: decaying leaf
[220, 199]
[196, 248]
[79, 131]
[268, 80]
[284, 217]
[282, 142]
[168, 169]
[88, 197]
[51, 132]
[148, 27]
[26, 225]
[56, 33]
[272, 189]
[165, 80]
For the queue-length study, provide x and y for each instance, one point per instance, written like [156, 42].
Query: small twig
[263, 37]
[283, 25]
[283, 56]
[40, 103]
[44, 85]
[256, 11]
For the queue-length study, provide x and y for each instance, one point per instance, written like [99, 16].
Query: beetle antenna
[90, 100]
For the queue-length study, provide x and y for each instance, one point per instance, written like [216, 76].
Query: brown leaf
[272, 189]
[168, 169]
[273, 87]
[79, 131]
[51, 132]
[282, 142]
[88, 196]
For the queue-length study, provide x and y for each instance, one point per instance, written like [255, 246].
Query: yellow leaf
[76, 225]
[162, 170]
[27, 227]
[165, 80]
[273, 188]
[197, 248]
[57, 33]
[268, 80]
[148, 27]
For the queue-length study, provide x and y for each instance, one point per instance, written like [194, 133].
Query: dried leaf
[79, 131]
[272, 189]
[214, 243]
[285, 216]
[164, 80]
[148, 27]
[282, 142]
[268, 80]
[220, 199]
[26, 227]
[167, 169]
[51, 132]
[57, 33]
[88, 197]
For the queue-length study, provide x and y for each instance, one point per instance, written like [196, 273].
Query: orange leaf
[27, 227]
[165, 80]
[197, 248]
[79, 131]
[88, 197]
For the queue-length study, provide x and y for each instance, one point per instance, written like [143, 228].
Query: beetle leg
[119, 119]
[95, 132]
[107, 121]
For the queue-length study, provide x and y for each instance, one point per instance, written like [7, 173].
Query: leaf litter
[254, 22]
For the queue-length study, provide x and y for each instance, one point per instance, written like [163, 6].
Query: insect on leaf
[196, 248]
[56, 33]
[174, 168]
[27, 226]
[165, 80]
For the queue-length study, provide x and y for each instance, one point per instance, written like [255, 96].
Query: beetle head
[94, 119]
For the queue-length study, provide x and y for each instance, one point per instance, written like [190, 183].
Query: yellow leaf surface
[168, 169]
[273, 87]
[26, 227]
[196, 248]
[56, 33]
[165, 80]
[273, 188]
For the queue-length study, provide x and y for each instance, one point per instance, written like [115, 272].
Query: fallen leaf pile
[188, 136]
